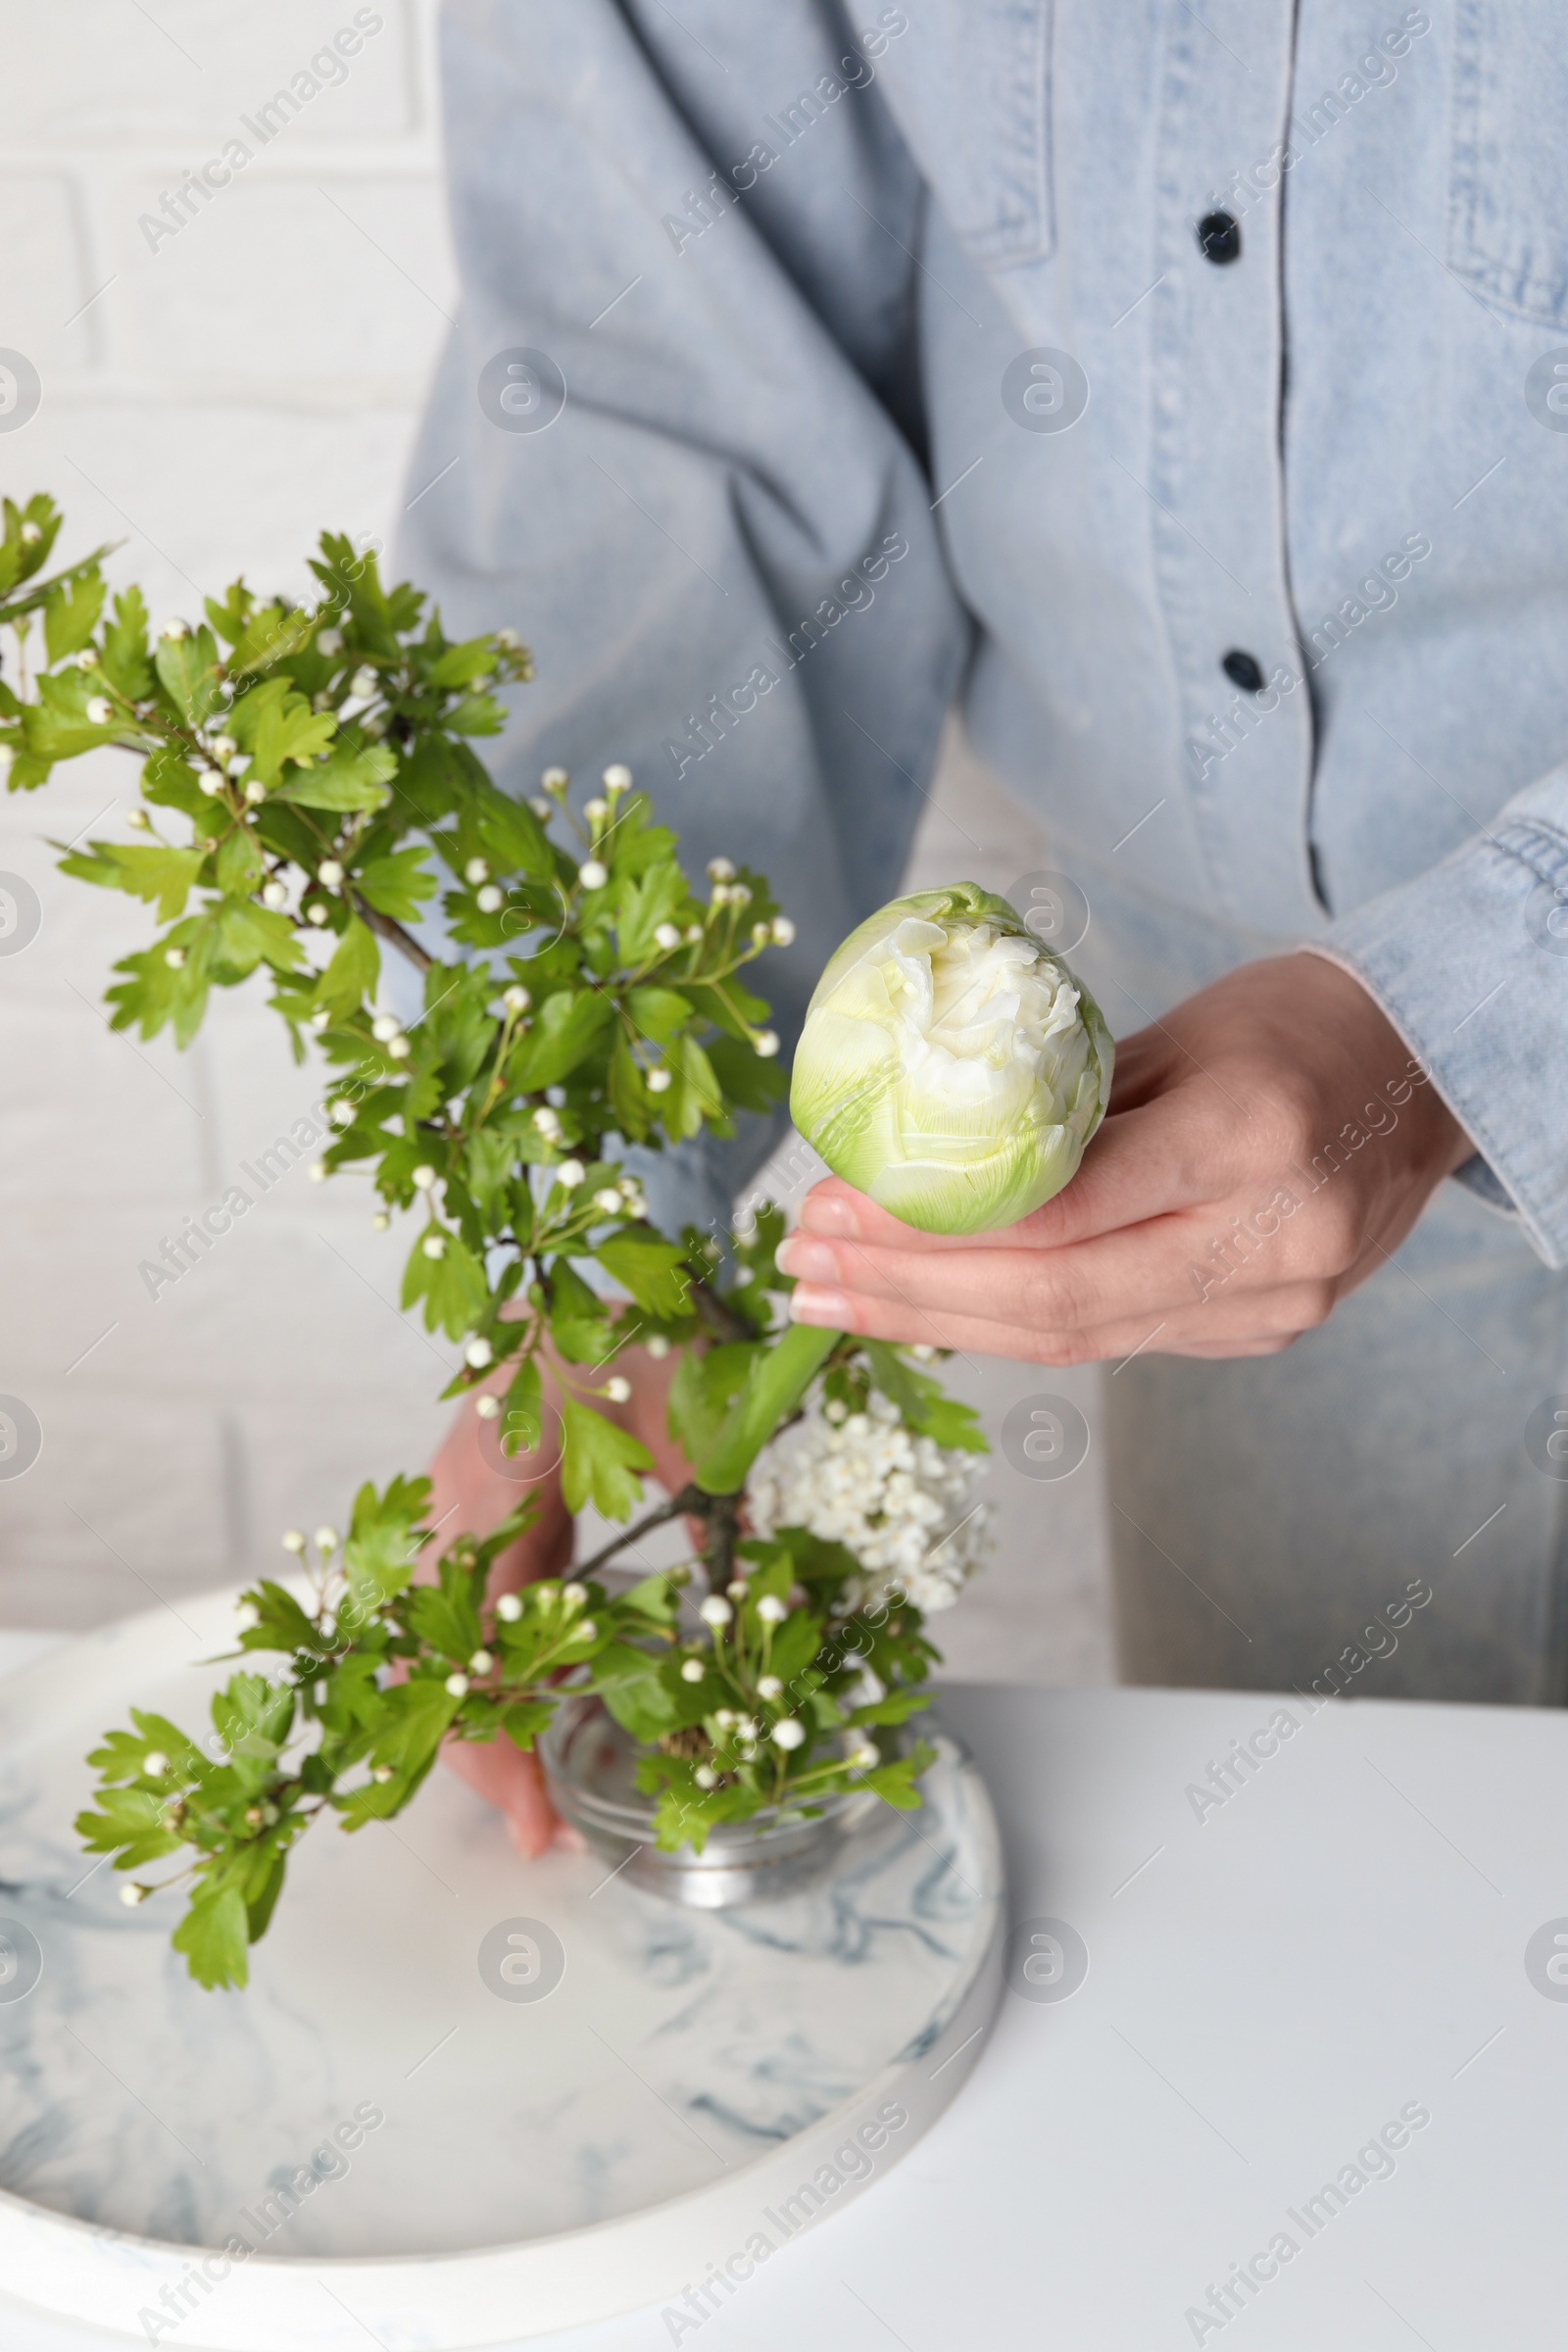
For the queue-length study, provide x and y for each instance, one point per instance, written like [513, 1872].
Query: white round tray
[403, 2147]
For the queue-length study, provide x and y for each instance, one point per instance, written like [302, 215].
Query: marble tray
[465, 2099]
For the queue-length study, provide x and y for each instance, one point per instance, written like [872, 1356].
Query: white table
[1270, 1986]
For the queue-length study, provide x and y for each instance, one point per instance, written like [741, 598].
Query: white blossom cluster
[900, 1503]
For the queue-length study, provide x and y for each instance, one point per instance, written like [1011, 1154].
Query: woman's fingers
[511, 1782]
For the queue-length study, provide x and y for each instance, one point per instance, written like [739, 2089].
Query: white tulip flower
[950, 1066]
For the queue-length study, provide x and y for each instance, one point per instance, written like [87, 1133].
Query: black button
[1219, 237]
[1243, 670]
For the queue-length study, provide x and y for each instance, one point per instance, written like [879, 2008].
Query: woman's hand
[1268, 1144]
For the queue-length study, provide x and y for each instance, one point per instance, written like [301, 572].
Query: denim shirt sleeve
[1470, 963]
[720, 550]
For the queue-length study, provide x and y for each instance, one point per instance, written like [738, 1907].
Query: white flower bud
[476, 870]
[693, 1671]
[329, 873]
[618, 1388]
[481, 1662]
[273, 895]
[491, 899]
[457, 1686]
[592, 875]
[548, 1123]
[138, 818]
[381, 1773]
[544, 810]
[508, 1608]
[765, 1042]
[174, 958]
[724, 1717]
[789, 1734]
[320, 1019]
[30, 534]
[294, 1540]
[769, 1687]
[706, 1777]
[246, 1615]
[134, 1893]
[666, 936]
[423, 1177]
[585, 1631]
[155, 1763]
[745, 1728]
[317, 1172]
[609, 1200]
[327, 1540]
[715, 1610]
[510, 639]
[658, 1346]
[255, 792]
[740, 894]
[923, 1353]
[596, 811]
[720, 870]
[658, 1081]
[175, 629]
[517, 1000]
[341, 1113]
[488, 1408]
[761, 932]
[617, 777]
[315, 913]
[866, 1756]
[721, 894]
[737, 1587]
[100, 710]
[385, 1027]
[365, 681]
[771, 1610]
[555, 779]
[574, 1595]
[478, 1354]
[329, 641]
[693, 935]
[212, 786]
[380, 1221]
[434, 1244]
[399, 1048]
[783, 931]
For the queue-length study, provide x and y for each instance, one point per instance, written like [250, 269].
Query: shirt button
[1243, 670]
[1219, 238]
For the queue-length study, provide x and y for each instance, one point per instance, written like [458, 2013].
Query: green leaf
[920, 1400]
[397, 885]
[382, 1544]
[418, 1715]
[748, 1080]
[564, 1031]
[707, 1383]
[350, 979]
[695, 1095]
[522, 1421]
[132, 1820]
[650, 1268]
[578, 1323]
[351, 778]
[452, 1286]
[189, 669]
[70, 615]
[628, 1681]
[147, 869]
[778, 1378]
[603, 1464]
[286, 729]
[123, 655]
[461, 664]
[239, 867]
[657, 1014]
[660, 897]
[214, 1936]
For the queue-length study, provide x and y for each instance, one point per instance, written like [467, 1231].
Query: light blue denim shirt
[816, 366]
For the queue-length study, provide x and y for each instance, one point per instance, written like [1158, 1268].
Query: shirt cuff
[1470, 963]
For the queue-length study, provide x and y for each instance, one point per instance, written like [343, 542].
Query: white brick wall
[182, 1432]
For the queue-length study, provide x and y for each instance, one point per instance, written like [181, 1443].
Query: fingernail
[808, 1305]
[571, 1840]
[808, 1260]
[828, 1212]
